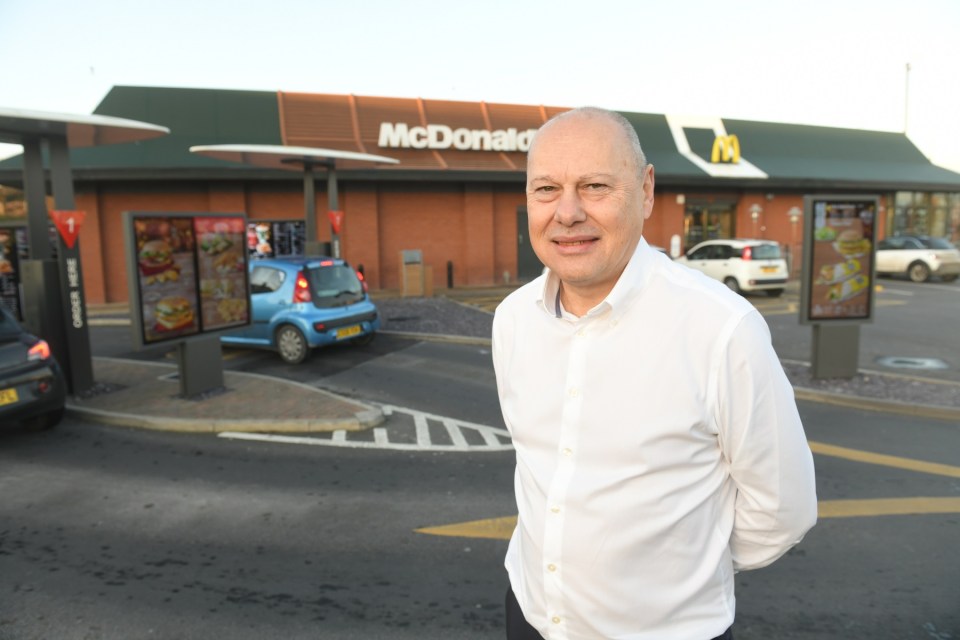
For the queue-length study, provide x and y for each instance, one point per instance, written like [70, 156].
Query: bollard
[449, 274]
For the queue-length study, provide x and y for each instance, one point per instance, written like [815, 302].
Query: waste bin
[416, 279]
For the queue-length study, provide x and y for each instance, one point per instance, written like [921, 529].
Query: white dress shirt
[658, 450]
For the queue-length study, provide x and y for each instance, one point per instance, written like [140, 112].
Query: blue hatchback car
[302, 303]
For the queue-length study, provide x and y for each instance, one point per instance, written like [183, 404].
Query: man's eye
[594, 186]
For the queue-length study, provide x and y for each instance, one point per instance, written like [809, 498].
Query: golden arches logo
[727, 147]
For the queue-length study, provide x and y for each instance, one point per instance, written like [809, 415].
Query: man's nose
[569, 208]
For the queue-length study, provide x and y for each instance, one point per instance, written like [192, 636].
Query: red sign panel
[68, 224]
[336, 220]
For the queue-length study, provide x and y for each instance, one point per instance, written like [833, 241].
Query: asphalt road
[112, 533]
[109, 533]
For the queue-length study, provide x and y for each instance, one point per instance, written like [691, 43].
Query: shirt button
[574, 393]
[581, 333]
[568, 452]
[555, 509]
[556, 619]
[551, 567]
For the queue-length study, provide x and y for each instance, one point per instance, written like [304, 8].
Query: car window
[765, 252]
[266, 279]
[912, 243]
[335, 285]
[936, 243]
[725, 252]
[892, 244]
[699, 254]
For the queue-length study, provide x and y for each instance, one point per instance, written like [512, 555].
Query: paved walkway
[147, 394]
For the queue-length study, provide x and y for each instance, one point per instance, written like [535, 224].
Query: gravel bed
[440, 315]
[434, 315]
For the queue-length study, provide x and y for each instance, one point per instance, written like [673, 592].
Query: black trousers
[519, 629]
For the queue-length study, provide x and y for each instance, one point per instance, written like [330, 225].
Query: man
[657, 438]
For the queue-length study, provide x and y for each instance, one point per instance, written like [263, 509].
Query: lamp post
[795, 213]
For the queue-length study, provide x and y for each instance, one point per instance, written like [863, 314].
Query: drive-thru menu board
[276, 238]
[189, 274]
[838, 259]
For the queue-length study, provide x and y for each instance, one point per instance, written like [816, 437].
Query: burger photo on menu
[156, 262]
[155, 256]
[850, 243]
[173, 313]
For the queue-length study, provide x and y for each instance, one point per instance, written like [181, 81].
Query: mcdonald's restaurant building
[457, 194]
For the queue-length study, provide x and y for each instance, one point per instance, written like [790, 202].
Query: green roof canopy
[779, 155]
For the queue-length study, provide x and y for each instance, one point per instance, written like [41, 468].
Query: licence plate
[348, 332]
[768, 269]
[8, 396]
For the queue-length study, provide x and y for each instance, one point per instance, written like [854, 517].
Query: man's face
[585, 202]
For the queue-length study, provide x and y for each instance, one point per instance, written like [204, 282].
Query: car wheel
[774, 293]
[918, 272]
[732, 284]
[291, 345]
[44, 421]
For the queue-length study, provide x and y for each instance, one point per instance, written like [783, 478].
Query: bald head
[622, 126]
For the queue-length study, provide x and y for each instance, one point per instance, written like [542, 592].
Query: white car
[743, 265]
[918, 258]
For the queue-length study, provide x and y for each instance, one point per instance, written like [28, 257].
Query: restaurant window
[921, 213]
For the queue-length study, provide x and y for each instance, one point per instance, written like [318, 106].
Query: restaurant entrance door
[707, 221]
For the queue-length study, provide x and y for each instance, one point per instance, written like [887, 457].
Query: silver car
[918, 258]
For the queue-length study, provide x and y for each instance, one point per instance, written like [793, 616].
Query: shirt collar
[634, 277]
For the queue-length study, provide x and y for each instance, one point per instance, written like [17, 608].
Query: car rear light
[39, 351]
[301, 289]
[363, 281]
[747, 253]
[326, 263]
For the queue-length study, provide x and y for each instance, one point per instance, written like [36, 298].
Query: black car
[32, 386]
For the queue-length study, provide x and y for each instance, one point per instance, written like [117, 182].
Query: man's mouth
[573, 242]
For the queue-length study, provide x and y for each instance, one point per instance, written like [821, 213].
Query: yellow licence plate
[768, 269]
[8, 396]
[348, 332]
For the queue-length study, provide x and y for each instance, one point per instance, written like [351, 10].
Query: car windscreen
[936, 243]
[765, 251]
[334, 285]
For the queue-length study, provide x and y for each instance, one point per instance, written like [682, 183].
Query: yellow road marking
[502, 528]
[492, 528]
[887, 507]
[885, 460]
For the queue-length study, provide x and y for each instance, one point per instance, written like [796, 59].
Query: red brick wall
[428, 219]
[471, 225]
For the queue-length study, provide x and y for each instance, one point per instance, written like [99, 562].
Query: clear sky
[824, 62]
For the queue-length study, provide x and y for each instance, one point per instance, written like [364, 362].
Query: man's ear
[647, 189]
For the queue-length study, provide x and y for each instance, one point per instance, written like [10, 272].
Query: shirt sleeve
[765, 447]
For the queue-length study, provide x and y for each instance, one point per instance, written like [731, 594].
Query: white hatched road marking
[396, 434]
